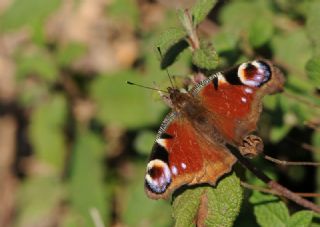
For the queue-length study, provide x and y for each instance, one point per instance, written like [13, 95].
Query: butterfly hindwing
[180, 156]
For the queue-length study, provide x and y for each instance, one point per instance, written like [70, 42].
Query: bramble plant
[75, 138]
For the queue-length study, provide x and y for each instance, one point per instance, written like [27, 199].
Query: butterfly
[190, 147]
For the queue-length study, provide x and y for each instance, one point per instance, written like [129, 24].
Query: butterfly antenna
[151, 88]
[167, 71]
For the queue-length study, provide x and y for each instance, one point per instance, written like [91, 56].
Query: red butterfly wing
[180, 156]
[234, 97]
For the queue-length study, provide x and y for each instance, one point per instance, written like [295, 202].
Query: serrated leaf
[206, 57]
[313, 70]
[301, 219]
[201, 9]
[171, 43]
[144, 142]
[220, 205]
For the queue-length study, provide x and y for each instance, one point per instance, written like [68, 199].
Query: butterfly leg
[252, 145]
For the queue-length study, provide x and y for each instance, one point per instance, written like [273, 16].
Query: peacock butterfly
[190, 147]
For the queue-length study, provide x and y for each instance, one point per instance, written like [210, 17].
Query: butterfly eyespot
[158, 176]
[254, 74]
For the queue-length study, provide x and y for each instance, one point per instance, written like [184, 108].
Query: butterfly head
[178, 98]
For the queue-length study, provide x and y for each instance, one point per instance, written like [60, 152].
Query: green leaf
[201, 9]
[86, 181]
[269, 211]
[29, 13]
[260, 31]
[313, 70]
[212, 206]
[205, 57]
[224, 41]
[301, 219]
[126, 11]
[286, 50]
[124, 105]
[46, 132]
[313, 25]
[31, 196]
[171, 43]
[38, 63]
[69, 53]
[144, 142]
[239, 17]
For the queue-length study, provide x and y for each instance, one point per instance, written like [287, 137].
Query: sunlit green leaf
[260, 31]
[221, 204]
[201, 9]
[206, 57]
[270, 211]
[124, 105]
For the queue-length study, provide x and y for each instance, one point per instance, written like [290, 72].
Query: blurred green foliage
[85, 136]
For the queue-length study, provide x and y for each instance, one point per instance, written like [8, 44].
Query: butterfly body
[224, 108]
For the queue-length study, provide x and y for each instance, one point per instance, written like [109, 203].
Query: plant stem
[283, 191]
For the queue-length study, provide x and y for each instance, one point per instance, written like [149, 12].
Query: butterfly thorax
[190, 108]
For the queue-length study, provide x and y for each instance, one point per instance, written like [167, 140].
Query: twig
[288, 163]
[273, 184]
[265, 190]
[192, 33]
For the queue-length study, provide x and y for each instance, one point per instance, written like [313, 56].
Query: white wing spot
[248, 90]
[183, 165]
[174, 170]
[243, 99]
